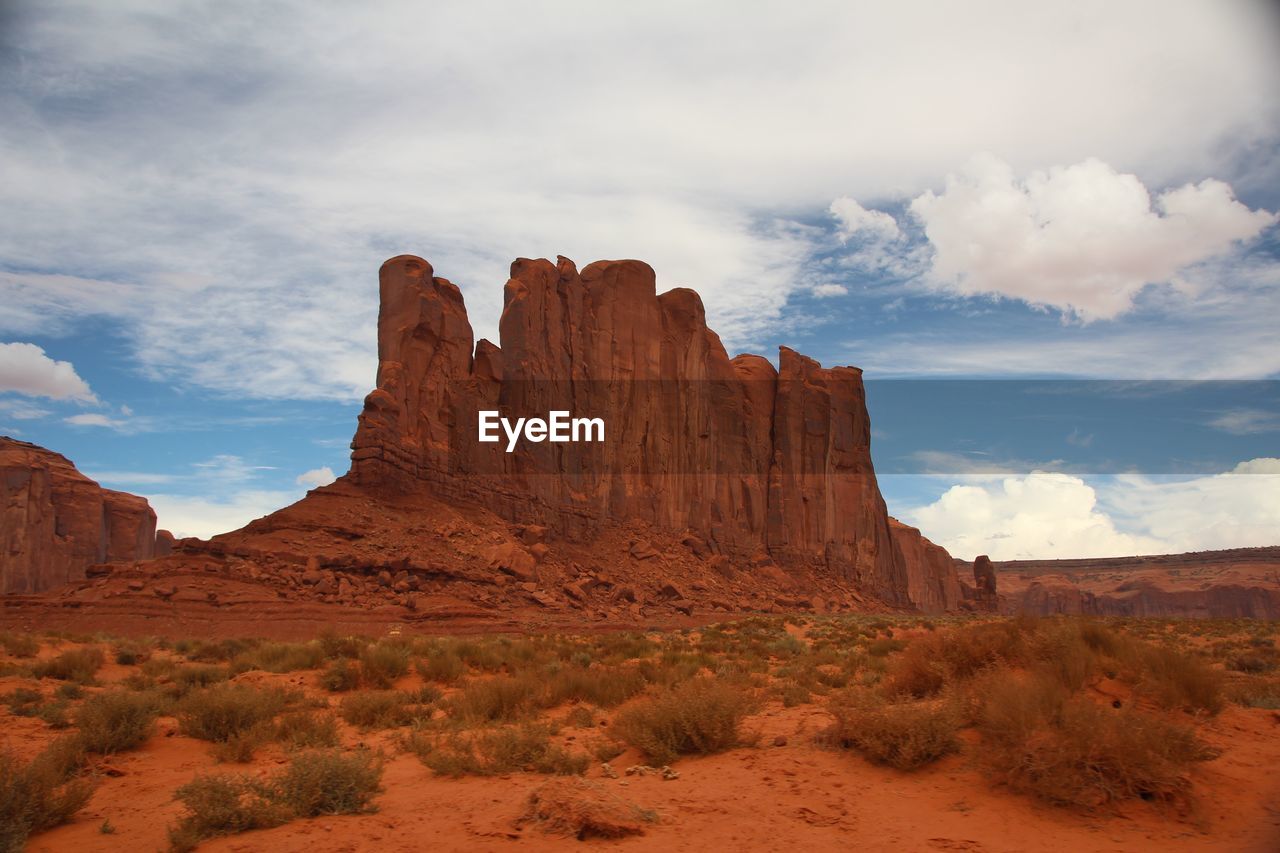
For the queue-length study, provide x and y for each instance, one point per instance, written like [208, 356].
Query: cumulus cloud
[1041, 515]
[316, 477]
[1047, 514]
[1084, 238]
[26, 369]
[854, 219]
[253, 163]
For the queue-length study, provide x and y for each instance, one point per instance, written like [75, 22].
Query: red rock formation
[932, 583]
[761, 464]
[1237, 583]
[55, 522]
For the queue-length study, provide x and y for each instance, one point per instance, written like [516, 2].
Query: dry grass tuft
[695, 718]
[39, 794]
[905, 735]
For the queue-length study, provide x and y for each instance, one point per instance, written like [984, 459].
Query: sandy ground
[785, 793]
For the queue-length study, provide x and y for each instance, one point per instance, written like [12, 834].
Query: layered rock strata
[55, 522]
[763, 464]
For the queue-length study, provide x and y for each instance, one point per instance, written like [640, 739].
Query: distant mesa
[55, 522]
[723, 485]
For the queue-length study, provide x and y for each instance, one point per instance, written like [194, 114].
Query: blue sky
[195, 198]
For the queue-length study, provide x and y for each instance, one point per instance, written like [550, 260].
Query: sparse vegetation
[699, 717]
[227, 711]
[79, 665]
[905, 735]
[39, 794]
[115, 721]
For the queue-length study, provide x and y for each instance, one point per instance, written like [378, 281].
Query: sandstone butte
[55, 522]
[765, 465]
[722, 484]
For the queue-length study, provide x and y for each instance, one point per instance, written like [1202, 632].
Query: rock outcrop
[762, 464]
[55, 522]
[932, 583]
[1236, 583]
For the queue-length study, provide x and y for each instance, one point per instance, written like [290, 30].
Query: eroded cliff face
[932, 583]
[763, 464]
[55, 522]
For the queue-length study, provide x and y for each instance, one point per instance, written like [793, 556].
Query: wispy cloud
[1246, 422]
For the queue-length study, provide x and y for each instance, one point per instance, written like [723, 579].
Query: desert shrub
[884, 646]
[905, 735]
[79, 665]
[280, 657]
[1254, 692]
[441, 665]
[697, 717]
[240, 747]
[340, 676]
[793, 695]
[328, 782]
[525, 748]
[214, 651]
[1068, 750]
[1251, 663]
[584, 810]
[37, 795]
[54, 715]
[934, 660]
[223, 805]
[24, 701]
[1177, 680]
[580, 717]
[306, 730]
[603, 686]
[498, 699]
[131, 653]
[1091, 756]
[224, 711]
[382, 663]
[19, 645]
[115, 721]
[333, 646]
[189, 676]
[377, 709]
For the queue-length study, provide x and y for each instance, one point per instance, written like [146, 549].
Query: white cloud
[1246, 422]
[316, 477]
[22, 410]
[823, 291]
[26, 369]
[1046, 515]
[95, 420]
[192, 515]
[205, 155]
[853, 218]
[1084, 238]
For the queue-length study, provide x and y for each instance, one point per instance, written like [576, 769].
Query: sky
[195, 198]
